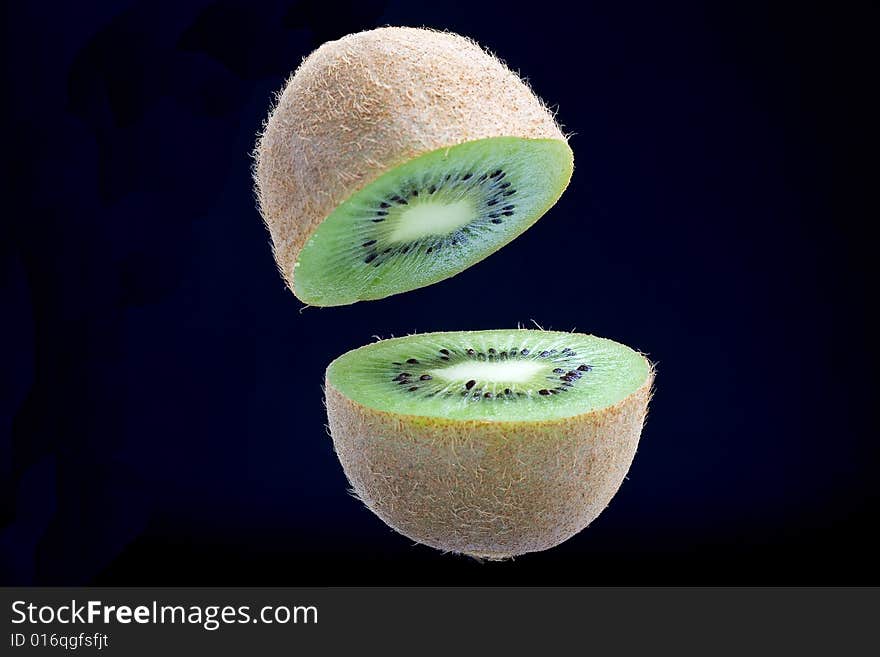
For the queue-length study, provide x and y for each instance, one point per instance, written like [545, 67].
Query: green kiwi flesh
[514, 376]
[430, 218]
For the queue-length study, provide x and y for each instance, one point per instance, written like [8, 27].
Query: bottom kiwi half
[488, 443]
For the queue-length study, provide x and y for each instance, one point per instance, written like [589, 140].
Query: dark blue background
[162, 407]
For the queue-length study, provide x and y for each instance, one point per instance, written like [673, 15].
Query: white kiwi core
[432, 218]
[510, 371]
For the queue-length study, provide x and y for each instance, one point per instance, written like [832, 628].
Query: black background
[161, 399]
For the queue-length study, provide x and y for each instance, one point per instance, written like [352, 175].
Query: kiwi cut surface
[488, 443]
[398, 157]
[430, 218]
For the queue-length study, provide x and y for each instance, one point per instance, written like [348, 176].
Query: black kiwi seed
[584, 368]
[415, 192]
[507, 391]
[524, 352]
[425, 377]
[513, 352]
[505, 185]
[543, 391]
[558, 370]
[509, 192]
[370, 258]
[497, 173]
[467, 176]
[499, 221]
[445, 352]
[383, 205]
[380, 219]
[470, 352]
[412, 361]
[470, 384]
[494, 201]
[488, 395]
[414, 388]
[444, 357]
[544, 354]
[400, 377]
[432, 189]
[574, 374]
[491, 352]
[369, 243]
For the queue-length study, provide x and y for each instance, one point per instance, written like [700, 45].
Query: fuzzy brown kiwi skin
[360, 106]
[490, 490]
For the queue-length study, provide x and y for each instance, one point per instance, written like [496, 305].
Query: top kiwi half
[398, 157]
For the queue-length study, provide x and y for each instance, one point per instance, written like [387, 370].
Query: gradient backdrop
[162, 417]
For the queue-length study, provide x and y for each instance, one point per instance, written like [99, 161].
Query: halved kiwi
[398, 157]
[488, 443]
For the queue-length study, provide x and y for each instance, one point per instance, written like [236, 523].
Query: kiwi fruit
[488, 443]
[398, 157]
